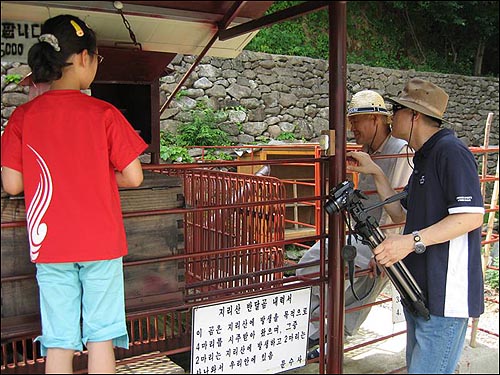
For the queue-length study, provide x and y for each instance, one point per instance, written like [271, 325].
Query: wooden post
[491, 217]
[486, 144]
[486, 253]
[491, 220]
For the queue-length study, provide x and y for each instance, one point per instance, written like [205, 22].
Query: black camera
[345, 197]
[342, 196]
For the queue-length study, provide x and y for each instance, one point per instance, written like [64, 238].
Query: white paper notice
[260, 335]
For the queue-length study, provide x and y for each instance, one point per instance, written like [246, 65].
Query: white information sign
[17, 39]
[397, 306]
[260, 335]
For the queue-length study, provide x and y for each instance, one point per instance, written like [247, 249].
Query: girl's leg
[60, 305]
[103, 311]
[101, 357]
[59, 361]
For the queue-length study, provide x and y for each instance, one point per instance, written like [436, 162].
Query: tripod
[345, 197]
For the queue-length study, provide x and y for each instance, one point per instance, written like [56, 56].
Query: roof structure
[184, 27]
[221, 29]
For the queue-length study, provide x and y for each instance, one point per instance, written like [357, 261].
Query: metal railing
[234, 239]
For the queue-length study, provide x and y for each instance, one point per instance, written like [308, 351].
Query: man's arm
[384, 189]
[396, 247]
[402, 169]
[400, 175]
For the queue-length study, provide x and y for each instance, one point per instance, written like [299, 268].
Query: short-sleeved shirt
[68, 145]
[397, 170]
[445, 181]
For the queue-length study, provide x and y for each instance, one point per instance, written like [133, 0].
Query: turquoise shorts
[80, 303]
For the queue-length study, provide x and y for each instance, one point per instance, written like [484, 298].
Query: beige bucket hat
[367, 101]
[424, 97]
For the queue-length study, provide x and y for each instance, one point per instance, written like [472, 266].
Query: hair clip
[78, 29]
[50, 39]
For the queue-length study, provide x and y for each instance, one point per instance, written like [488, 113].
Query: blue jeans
[434, 346]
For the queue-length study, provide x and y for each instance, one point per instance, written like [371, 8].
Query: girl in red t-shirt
[69, 153]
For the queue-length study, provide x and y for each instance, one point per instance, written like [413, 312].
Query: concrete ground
[388, 356]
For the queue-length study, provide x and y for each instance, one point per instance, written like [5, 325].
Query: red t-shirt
[67, 145]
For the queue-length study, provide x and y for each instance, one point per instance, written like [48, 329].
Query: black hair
[73, 36]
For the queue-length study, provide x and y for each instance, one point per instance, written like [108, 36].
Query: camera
[345, 197]
[342, 196]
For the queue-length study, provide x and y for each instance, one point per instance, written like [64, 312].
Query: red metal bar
[231, 225]
[337, 110]
[354, 347]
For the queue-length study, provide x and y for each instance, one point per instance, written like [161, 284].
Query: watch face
[419, 247]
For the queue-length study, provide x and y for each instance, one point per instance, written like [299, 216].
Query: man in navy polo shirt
[441, 244]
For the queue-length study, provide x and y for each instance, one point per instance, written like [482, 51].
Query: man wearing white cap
[369, 120]
[441, 244]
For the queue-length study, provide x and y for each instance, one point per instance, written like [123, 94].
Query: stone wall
[290, 94]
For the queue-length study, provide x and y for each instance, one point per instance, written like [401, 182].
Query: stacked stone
[277, 94]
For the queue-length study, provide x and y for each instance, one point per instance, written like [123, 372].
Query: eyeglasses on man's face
[396, 107]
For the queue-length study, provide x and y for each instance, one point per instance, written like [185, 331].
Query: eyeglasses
[396, 107]
[100, 58]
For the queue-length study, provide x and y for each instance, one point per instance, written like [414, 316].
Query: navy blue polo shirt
[445, 181]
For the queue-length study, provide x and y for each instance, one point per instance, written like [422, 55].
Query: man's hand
[375, 269]
[362, 163]
[394, 248]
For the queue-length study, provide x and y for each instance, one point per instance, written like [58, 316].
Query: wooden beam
[271, 19]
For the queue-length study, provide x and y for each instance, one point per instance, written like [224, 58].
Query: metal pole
[337, 110]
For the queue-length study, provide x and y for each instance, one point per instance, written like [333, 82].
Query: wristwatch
[419, 246]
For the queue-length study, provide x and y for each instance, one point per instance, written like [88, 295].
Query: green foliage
[203, 130]
[180, 94]
[237, 108]
[170, 152]
[305, 36]
[487, 217]
[213, 154]
[294, 252]
[15, 78]
[491, 276]
[421, 35]
[260, 141]
[285, 136]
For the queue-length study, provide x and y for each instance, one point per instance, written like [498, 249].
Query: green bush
[16, 78]
[286, 136]
[172, 154]
[491, 277]
[213, 154]
[294, 252]
[203, 129]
